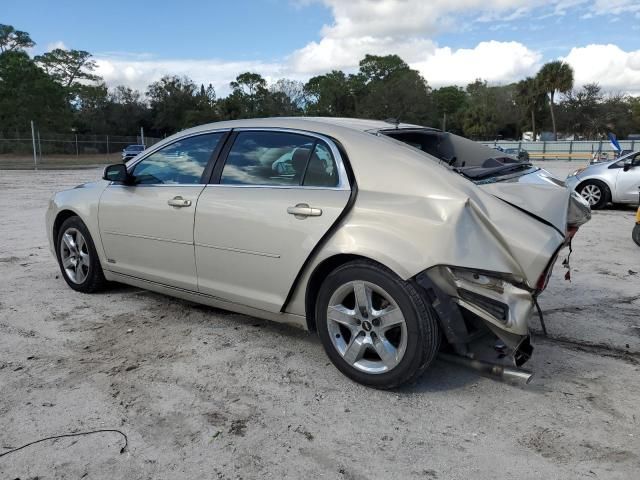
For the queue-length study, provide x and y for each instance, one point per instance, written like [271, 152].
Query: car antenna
[393, 121]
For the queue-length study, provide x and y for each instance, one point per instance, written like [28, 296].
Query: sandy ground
[203, 393]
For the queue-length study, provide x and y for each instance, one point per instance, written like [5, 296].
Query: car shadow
[441, 375]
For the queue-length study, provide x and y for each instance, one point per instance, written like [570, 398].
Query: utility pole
[142, 136]
[33, 139]
[39, 147]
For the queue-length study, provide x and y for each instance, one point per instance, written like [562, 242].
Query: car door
[627, 183]
[147, 227]
[274, 195]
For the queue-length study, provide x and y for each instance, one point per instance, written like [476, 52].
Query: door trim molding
[238, 250]
[147, 237]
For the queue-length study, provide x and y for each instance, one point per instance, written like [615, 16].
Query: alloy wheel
[591, 193]
[367, 327]
[74, 255]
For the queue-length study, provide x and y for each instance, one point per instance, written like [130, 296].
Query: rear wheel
[375, 328]
[595, 193]
[636, 234]
[78, 258]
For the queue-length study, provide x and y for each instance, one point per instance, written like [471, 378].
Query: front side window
[279, 158]
[182, 162]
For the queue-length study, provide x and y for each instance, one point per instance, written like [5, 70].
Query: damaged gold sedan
[392, 241]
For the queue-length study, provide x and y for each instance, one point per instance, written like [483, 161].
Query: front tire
[375, 327]
[596, 194]
[636, 234]
[78, 258]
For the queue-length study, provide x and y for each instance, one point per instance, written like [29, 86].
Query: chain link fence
[55, 150]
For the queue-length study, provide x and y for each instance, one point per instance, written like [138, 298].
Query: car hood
[540, 194]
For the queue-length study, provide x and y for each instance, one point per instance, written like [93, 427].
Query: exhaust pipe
[503, 372]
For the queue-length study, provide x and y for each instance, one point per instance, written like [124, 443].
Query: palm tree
[529, 97]
[553, 77]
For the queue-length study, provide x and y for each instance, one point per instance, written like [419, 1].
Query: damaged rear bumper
[471, 304]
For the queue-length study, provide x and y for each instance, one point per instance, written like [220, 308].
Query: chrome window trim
[160, 145]
[343, 179]
[144, 185]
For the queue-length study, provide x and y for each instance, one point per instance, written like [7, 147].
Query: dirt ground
[203, 393]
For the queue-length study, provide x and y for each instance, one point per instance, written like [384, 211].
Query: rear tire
[78, 258]
[636, 234]
[596, 193]
[375, 327]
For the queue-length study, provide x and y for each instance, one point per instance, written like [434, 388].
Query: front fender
[82, 201]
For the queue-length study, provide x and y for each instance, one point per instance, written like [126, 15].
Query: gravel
[204, 393]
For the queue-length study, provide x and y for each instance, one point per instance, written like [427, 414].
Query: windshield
[465, 156]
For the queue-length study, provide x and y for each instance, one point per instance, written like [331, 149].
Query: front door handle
[179, 202]
[302, 210]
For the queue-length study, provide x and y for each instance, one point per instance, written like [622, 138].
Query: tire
[596, 193]
[635, 234]
[407, 335]
[80, 267]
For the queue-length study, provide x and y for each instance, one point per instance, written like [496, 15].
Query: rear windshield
[465, 156]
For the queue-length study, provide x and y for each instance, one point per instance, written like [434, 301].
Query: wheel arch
[320, 272]
[61, 216]
[595, 180]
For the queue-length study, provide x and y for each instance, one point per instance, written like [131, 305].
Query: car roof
[307, 123]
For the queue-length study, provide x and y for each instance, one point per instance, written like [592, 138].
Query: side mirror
[117, 173]
[627, 165]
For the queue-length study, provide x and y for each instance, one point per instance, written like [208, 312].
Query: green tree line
[60, 91]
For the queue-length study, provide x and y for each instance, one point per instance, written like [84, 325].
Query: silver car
[387, 240]
[616, 181]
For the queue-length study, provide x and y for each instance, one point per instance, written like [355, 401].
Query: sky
[451, 42]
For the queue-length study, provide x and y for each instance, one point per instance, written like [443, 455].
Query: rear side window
[321, 171]
[278, 158]
[182, 162]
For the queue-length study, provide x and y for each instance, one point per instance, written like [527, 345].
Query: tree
[27, 93]
[375, 67]
[530, 97]
[68, 66]
[449, 101]
[386, 87]
[170, 99]
[13, 40]
[249, 90]
[330, 95]
[287, 97]
[90, 106]
[553, 77]
[480, 114]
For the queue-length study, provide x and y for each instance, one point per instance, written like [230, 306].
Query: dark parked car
[131, 151]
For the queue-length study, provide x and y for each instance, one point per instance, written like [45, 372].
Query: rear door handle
[302, 210]
[179, 202]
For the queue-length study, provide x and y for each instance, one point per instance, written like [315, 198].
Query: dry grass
[55, 162]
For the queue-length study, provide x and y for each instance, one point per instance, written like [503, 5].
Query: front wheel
[636, 234]
[375, 327]
[78, 258]
[595, 193]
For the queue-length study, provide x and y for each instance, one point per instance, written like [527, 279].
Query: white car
[385, 239]
[616, 181]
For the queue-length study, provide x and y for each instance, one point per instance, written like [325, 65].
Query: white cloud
[608, 65]
[496, 62]
[615, 7]
[53, 45]
[139, 73]
[407, 28]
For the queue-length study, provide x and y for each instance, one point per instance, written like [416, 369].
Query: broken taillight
[542, 282]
